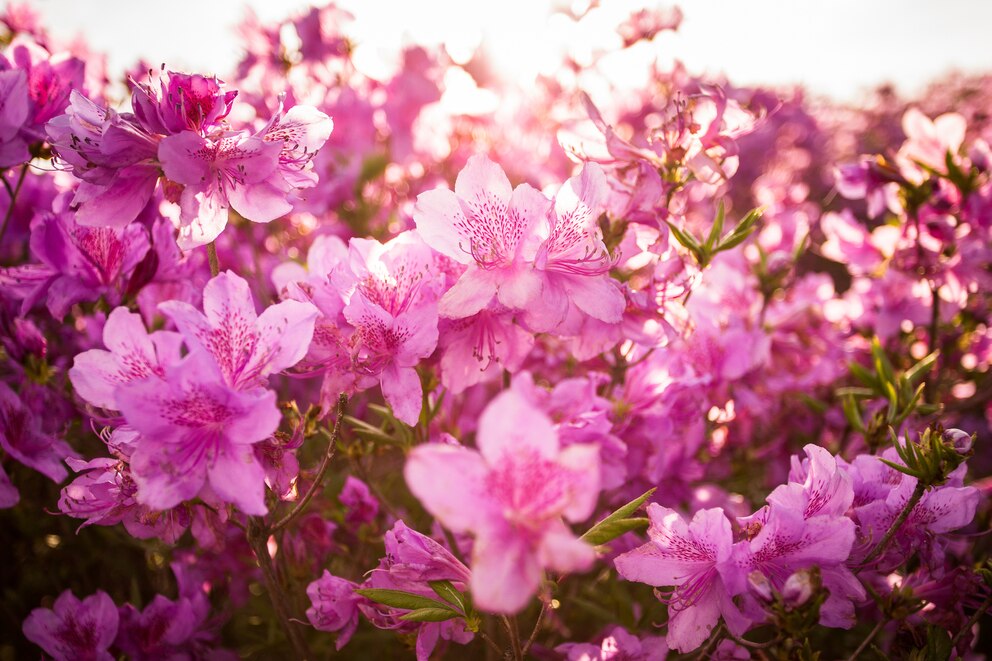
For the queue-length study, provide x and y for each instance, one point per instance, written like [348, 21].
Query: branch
[321, 471]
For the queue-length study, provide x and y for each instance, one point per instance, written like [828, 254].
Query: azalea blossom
[692, 557]
[512, 494]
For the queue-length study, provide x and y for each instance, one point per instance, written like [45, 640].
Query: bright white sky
[840, 48]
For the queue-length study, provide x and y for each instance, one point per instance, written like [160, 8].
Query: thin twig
[321, 471]
[212, 259]
[484, 636]
[901, 519]
[864, 643]
[258, 540]
[971, 621]
[537, 628]
[13, 197]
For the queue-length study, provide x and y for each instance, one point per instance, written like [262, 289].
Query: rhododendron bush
[438, 365]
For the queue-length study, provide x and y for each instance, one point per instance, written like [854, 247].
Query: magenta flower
[112, 155]
[22, 438]
[512, 494]
[787, 541]
[412, 559]
[334, 606]
[182, 102]
[133, 354]
[246, 346]
[13, 113]
[235, 171]
[360, 505]
[691, 557]
[167, 629]
[75, 629]
[76, 263]
[197, 430]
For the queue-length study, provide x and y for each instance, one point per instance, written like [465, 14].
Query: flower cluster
[579, 369]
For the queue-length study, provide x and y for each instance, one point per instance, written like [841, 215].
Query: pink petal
[403, 392]
[471, 293]
[260, 202]
[236, 477]
[510, 424]
[483, 183]
[438, 216]
[505, 573]
[449, 482]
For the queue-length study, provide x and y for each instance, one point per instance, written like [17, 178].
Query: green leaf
[854, 391]
[400, 599]
[685, 239]
[899, 467]
[743, 230]
[447, 591]
[621, 513]
[882, 365]
[864, 376]
[429, 615]
[853, 413]
[717, 228]
[920, 369]
[607, 532]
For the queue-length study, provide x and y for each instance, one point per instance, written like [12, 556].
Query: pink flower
[478, 348]
[571, 260]
[489, 226]
[691, 557]
[928, 142]
[133, 354]
[256, 175]
[75, 629]
[512, 494]
[394, 312]
[196, 430]
[246, 346]
[520, 247]
[787, 541]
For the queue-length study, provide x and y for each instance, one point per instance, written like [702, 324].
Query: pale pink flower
[513, 495]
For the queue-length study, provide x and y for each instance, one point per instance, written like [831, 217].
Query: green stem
[901, 519]
[212, 258]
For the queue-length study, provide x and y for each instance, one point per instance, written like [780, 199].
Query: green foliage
[716, 242]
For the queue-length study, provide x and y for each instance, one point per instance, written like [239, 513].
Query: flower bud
[961, 441]
[760, 586]
[799, 588]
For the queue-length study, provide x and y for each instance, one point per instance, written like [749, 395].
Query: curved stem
[971, 621]
[13, 197]
[864, 643]
[212, 259]
[537, 628]
[258, 540]
[901, 519]
[321, 471]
